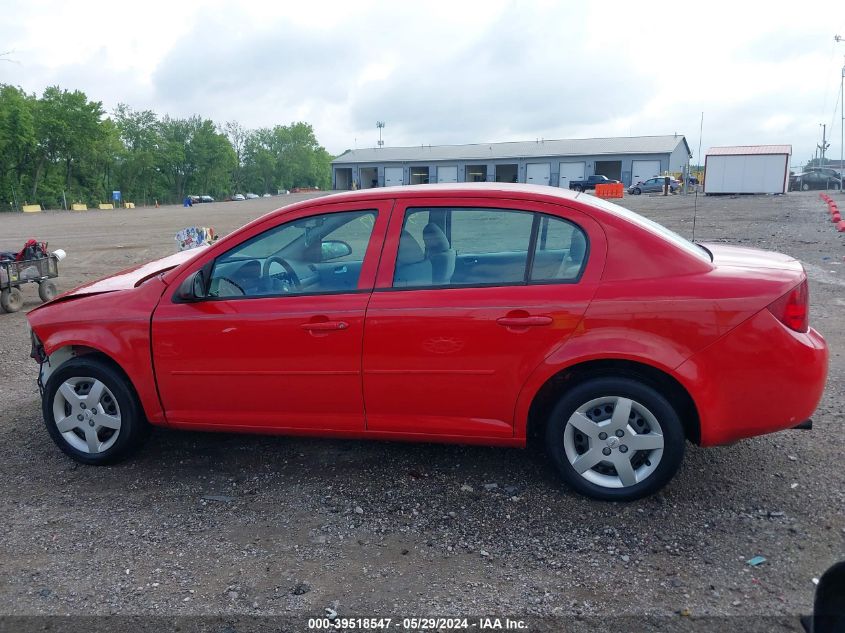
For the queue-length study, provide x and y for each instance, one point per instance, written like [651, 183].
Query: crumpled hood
[131, 277]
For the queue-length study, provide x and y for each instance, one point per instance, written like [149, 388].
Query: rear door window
[482, 246]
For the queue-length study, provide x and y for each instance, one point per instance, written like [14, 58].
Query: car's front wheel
[92, 412]
[637, 191]
[615, 439]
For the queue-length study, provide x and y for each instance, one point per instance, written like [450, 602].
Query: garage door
[447, 174]
[642, 170]
[394, 176]
[571, 171]
[538, 173]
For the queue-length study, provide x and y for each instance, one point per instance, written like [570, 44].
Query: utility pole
[824, 145]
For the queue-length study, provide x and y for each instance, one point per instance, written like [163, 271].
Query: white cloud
[448, 72]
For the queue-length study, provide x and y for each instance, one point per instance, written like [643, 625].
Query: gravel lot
[225, 524]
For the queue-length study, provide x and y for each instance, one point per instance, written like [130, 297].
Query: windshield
[654, 227]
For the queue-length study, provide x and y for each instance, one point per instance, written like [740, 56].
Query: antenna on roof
[695, 202]
[380, 126]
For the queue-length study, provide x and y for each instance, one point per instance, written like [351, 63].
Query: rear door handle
[524, 321]
[325, 326]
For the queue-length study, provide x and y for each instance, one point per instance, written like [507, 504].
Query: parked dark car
[814, 180]
[590, 183]
[653, 185]
[827, 171]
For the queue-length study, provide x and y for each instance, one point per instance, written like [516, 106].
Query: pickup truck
[590, 183]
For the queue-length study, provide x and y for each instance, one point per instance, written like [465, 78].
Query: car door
[448, 355]
[276, 341]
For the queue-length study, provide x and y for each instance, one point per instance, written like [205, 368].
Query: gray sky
[449, 72]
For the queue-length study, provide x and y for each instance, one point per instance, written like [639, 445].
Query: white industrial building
[544, 162]
[747, 169]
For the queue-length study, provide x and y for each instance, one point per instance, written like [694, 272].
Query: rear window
[654, 227]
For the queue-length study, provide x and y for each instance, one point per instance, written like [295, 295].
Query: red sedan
[482, 314]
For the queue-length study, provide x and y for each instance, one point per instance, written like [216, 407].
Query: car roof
[481, 189]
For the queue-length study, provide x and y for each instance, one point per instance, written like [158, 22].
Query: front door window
[315, 255]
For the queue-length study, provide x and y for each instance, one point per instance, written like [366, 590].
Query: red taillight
[793, 308]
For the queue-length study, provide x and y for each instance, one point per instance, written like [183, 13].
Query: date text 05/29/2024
[417, 624]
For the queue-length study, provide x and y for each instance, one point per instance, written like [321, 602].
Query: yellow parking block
[104, 207]
[78, 207]
[31, 208]
[128, 205]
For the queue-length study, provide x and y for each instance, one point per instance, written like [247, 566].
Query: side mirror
[192, 288]
[332, 249]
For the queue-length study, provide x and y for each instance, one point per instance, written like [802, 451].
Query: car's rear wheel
[92, 412]
[615, 439]
[805, 187]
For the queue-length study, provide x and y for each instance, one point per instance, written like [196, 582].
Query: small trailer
[14, 273]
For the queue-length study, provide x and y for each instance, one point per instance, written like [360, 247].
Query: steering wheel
[231, 283]
[293, 278]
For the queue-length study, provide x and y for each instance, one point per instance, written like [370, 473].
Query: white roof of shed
[744, 150]
[517, 149]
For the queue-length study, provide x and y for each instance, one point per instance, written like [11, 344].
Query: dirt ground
[224, 524]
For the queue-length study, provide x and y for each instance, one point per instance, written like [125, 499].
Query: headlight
[37, 348]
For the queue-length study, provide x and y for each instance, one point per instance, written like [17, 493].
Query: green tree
[212, 156]
[260, 161]
[140, 135]
[173, 160]
[61, 145]
[68, 128]
[237, 136]
[17, 141]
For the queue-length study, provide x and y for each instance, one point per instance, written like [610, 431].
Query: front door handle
[325, 326]
[526, 321]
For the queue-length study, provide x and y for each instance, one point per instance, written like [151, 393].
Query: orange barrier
[613, 190]
[840, 226]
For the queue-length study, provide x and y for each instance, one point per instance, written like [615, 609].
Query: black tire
[637, 191]
[134, 427]
[642, 394]
[47, 290]
[578, 188]
[11, 299]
